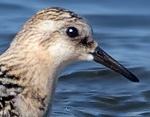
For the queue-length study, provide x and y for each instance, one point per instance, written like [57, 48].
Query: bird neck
[37, 75]
[38, 94]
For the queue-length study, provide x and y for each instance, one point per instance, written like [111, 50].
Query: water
[88, 89]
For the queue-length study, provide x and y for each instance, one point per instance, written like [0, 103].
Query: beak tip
[137, 81]
[101, 57]
[130, 76]
[134, 79]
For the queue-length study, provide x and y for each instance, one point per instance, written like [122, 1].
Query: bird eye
[72, 32]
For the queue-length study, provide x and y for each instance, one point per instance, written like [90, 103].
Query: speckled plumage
[50, 40]
[29, 67]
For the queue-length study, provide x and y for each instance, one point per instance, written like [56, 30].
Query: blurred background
[88, 89]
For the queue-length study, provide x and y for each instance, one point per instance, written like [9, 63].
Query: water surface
[88, 89]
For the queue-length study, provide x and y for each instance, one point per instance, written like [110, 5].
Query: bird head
[65, 37]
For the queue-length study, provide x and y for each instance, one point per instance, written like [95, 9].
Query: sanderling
[50, 40]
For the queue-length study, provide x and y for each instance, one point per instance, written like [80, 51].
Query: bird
[50, 40]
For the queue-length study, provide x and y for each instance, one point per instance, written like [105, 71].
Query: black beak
[102, 57]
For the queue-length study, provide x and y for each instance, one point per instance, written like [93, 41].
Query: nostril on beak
[97, 50]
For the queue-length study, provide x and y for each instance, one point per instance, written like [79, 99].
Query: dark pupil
[72, 32]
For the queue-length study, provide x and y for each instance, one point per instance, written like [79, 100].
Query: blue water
[88, 89]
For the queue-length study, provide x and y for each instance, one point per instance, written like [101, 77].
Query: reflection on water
[87, 89]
